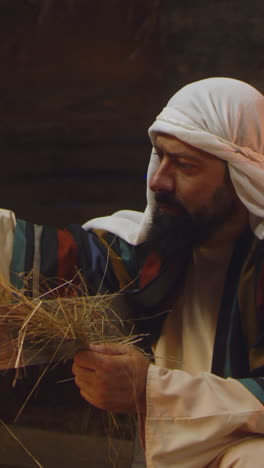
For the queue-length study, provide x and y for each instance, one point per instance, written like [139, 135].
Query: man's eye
[185, 165]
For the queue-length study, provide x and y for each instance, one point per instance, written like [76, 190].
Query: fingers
[83, 377]
[96, 355]
[94, 361]
[110, 348]
[96, 388]
[112, 377]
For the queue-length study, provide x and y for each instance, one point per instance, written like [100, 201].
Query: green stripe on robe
[19, 254]
[254, 387]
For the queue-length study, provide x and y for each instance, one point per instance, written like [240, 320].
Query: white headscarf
[224, 117]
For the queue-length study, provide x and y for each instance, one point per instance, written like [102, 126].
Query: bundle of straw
[34, 331]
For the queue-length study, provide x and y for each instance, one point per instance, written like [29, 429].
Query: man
[198, 248]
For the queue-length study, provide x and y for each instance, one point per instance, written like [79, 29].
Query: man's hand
[112, 377]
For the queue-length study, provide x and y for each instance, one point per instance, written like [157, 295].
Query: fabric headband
[224, 117]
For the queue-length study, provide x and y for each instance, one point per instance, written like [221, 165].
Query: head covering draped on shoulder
[224, 117]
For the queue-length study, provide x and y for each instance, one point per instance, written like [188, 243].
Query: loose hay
[33, 331]
[44, 331]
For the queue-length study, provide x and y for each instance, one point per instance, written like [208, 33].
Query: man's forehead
[173, 145]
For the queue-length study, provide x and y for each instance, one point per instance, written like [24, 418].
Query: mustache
[169, 199]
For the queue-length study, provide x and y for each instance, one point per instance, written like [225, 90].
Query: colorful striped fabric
[50, 258]
[105, 262]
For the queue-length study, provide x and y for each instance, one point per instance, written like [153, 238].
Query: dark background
[81, 81]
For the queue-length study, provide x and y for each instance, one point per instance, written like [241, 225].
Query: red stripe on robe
[67, 256]
[150, 270]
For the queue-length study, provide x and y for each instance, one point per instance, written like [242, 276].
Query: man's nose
[162, 180]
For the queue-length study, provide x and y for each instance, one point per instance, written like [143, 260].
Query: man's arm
[49, 263]
[188, 419]
[49, 257]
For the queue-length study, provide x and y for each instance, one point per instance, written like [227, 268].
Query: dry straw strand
[21, 444]
[56, 328]
[37, 327]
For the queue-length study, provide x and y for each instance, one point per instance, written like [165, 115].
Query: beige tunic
[187, 338]
[192, 415]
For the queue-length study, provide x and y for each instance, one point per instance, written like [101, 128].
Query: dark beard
[170, 234]
[175, 234]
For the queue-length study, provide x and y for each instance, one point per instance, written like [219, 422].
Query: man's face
[194, 195]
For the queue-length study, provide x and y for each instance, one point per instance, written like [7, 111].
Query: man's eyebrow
[179, 154]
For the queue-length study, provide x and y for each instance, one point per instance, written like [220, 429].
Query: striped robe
[109, 264]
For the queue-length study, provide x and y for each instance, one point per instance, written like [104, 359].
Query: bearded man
[197, 255]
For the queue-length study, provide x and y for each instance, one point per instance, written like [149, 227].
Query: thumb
[109, 348]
